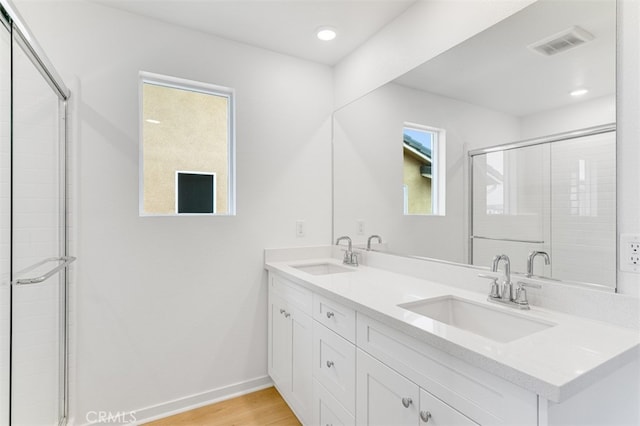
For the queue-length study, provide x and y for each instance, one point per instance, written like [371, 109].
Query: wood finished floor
[261, 408]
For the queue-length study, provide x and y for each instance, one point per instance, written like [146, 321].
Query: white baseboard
[191, 402]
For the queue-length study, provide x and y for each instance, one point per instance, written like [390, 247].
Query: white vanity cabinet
[342, 351]
[385, 397]
[335, 366]
[290, 344]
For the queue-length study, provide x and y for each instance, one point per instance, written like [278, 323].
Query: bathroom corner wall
[171, 311]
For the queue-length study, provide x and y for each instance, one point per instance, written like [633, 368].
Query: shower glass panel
[5, 220]
[38, 243]
[510, 204]
[557, 196]
[583, 219]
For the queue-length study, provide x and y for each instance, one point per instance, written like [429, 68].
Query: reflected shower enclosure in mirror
[503, 85]
[556, 195]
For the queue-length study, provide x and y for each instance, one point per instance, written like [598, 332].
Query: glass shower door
[5, 220]
[38, 352]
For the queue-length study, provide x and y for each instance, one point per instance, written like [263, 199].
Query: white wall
[171, 307]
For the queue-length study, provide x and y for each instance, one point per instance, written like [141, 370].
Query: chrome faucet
[350, 258]
[371, 238]
[506, 289]
[504, 293]
[532, 256]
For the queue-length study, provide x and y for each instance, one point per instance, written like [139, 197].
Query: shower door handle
[66, 260]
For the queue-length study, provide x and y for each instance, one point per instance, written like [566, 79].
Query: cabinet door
[436, 413]
[280, 343]
[384, 397]
[301, 356]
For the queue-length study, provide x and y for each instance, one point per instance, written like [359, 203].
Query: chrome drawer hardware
[329, 364]
[407, 402]
[425, 416]
[330, 314]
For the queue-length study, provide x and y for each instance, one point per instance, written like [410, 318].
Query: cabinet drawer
[483, 397]
[327, 411]
[291, 292]
[435, 412]
[335, 316]
[334, 363]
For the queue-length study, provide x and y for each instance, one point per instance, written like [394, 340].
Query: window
[423, 170]
[187, 147]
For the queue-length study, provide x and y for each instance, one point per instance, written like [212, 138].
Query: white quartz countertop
[555, 363]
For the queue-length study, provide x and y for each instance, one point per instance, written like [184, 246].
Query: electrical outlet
[300, 228]
[630, 252]
[360, 226]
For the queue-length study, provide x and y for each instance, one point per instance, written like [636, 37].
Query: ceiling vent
[562, 41]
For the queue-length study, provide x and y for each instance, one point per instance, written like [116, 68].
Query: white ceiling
[285, 26]
[495, 69]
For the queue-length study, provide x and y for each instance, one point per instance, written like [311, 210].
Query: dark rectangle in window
[195, 192]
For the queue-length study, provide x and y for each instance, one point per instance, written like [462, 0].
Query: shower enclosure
[33, 231]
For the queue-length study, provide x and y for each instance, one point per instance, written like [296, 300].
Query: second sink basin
[322, 268]
[495, 324]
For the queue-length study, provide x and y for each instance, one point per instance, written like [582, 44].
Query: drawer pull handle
[329, 315]
[407, 402]
[425, 416]
[287, 314]
[282, 311]
[329, 364]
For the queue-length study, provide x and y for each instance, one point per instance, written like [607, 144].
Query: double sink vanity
[369, 345]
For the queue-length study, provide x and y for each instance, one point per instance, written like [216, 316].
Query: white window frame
[438, 166]
[215, 181]
[194, 86]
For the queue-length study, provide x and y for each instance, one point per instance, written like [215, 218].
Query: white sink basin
[323, 268]
[496, 324]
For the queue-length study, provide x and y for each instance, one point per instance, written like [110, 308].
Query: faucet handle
[495, 289]
[526, 284]
[521, 293]
[488, 276]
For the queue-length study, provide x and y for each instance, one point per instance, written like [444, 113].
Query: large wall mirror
[544, 76]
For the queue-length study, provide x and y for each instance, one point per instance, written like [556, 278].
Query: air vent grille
[562, 41]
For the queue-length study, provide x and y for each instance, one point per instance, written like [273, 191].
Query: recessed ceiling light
[149, 120]
[326, 33]
[579, 92]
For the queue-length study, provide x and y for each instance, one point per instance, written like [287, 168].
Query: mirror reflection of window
[185, 126]
[421, 186]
